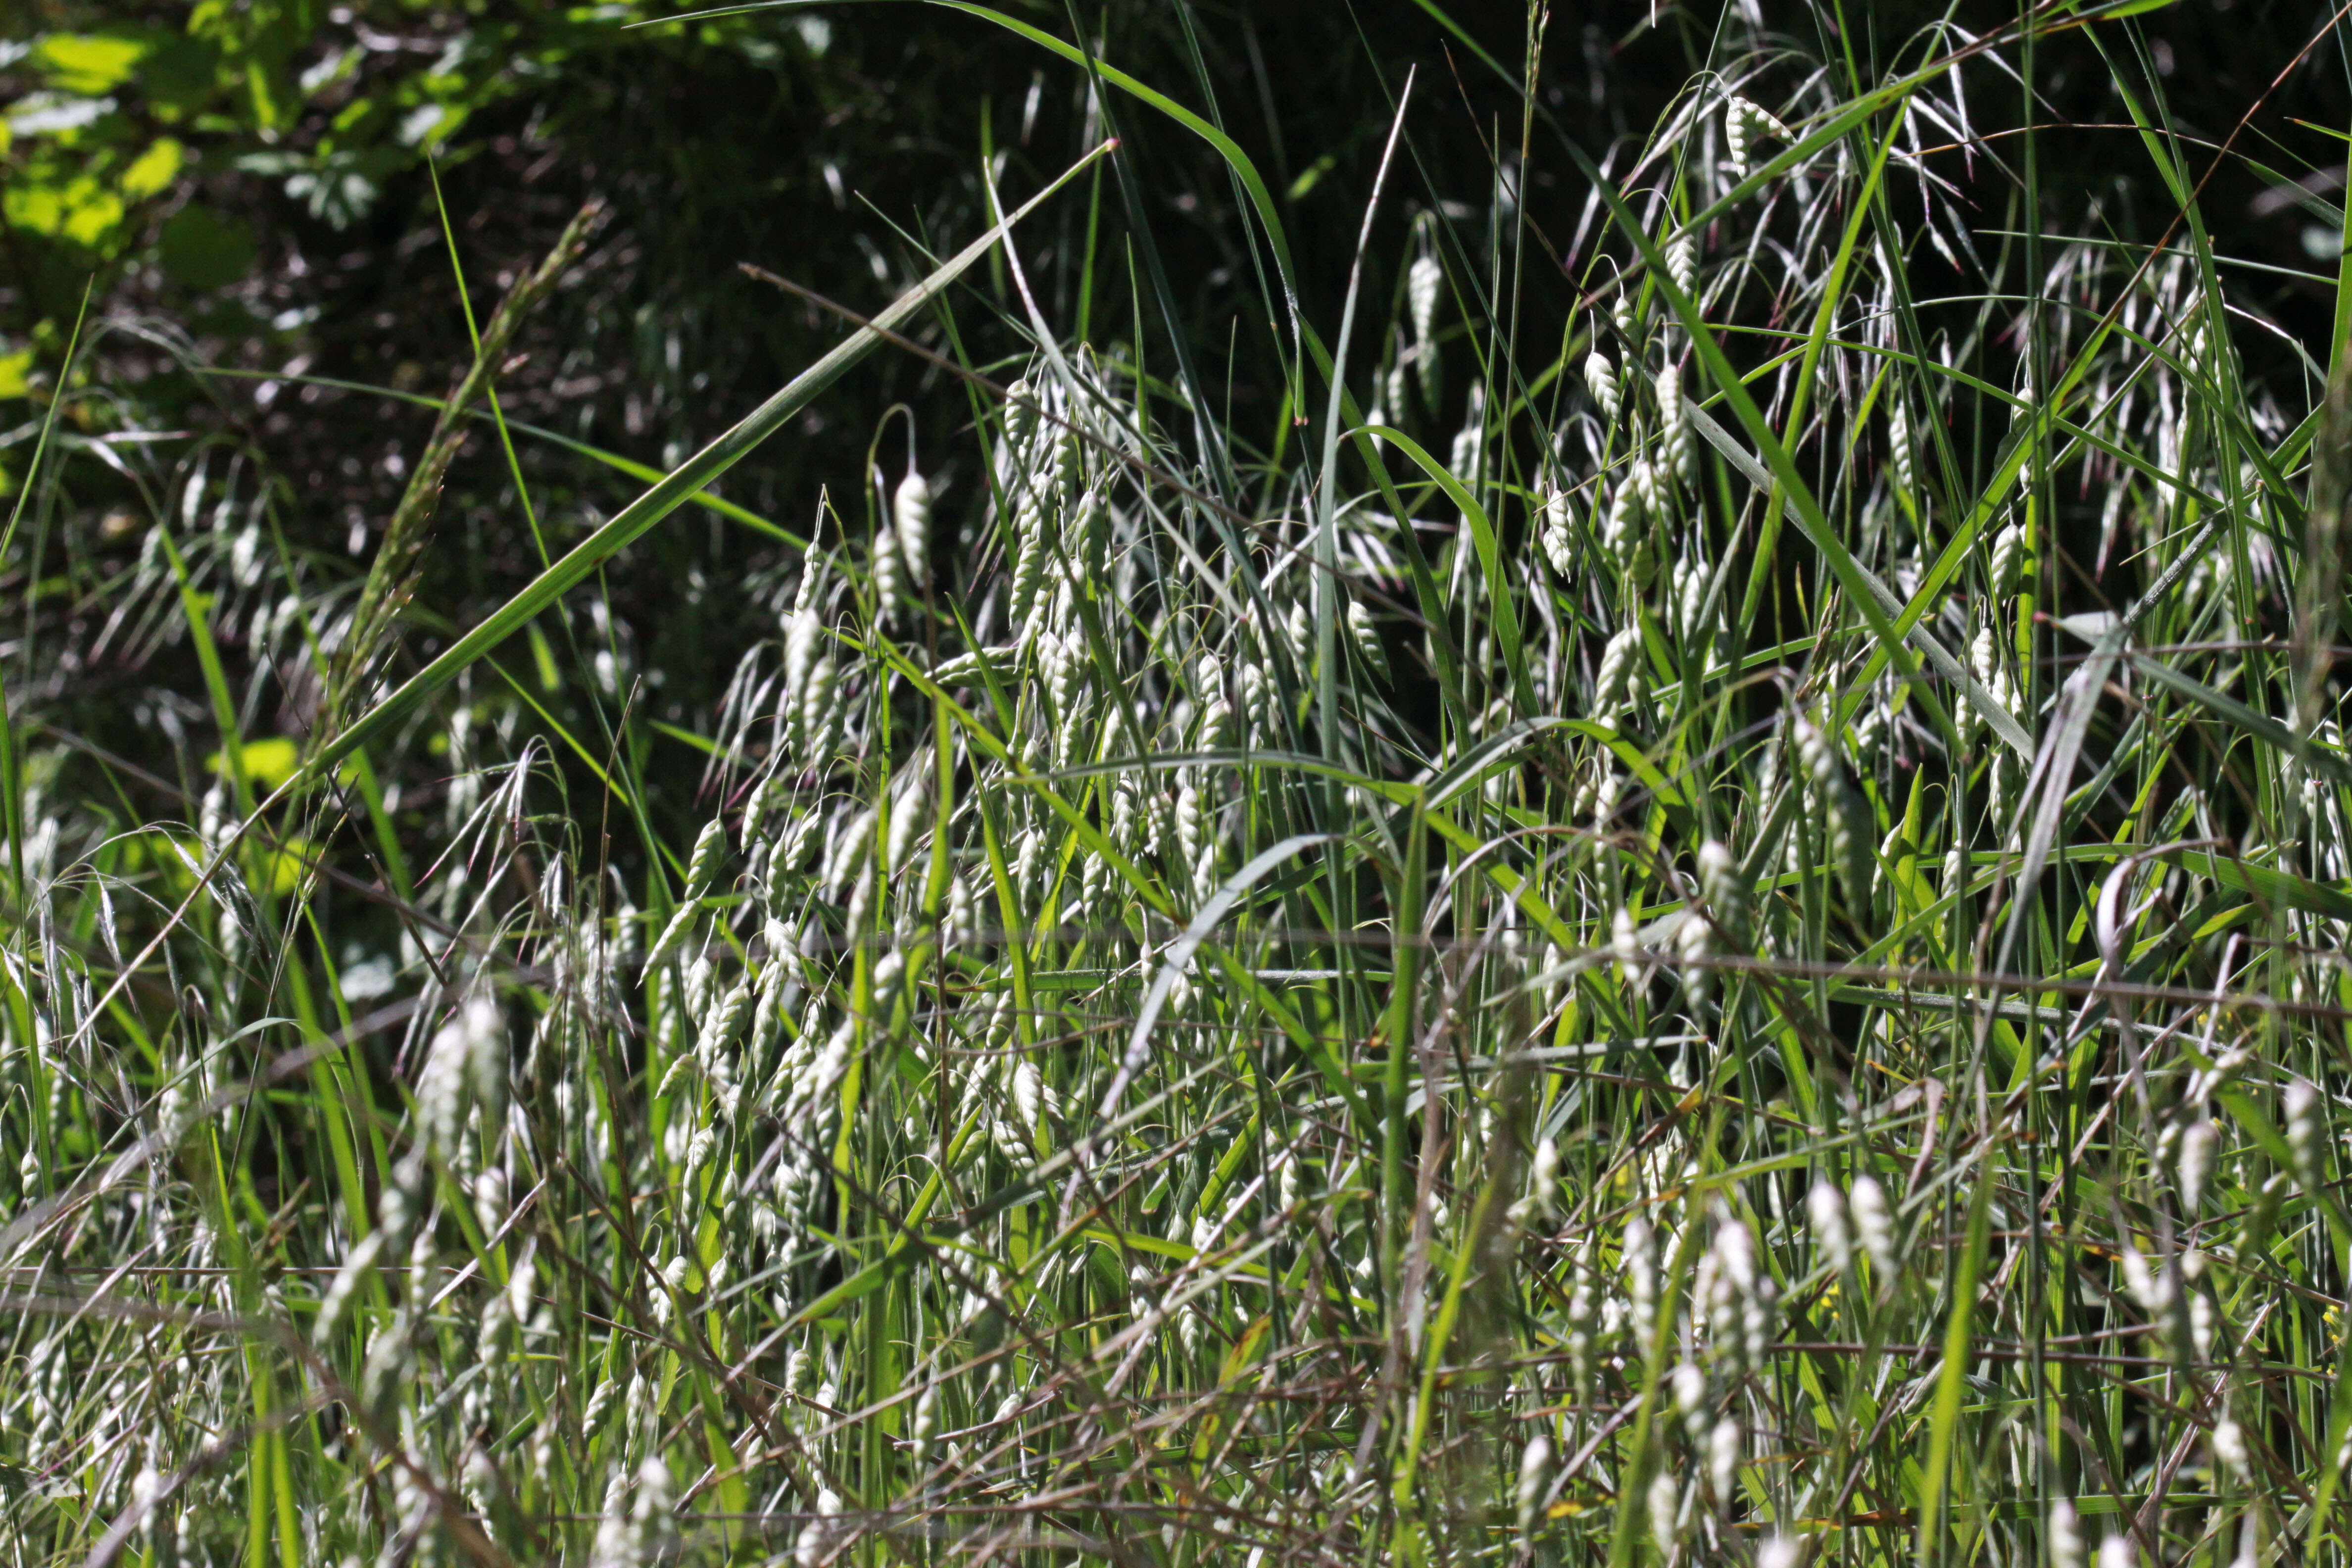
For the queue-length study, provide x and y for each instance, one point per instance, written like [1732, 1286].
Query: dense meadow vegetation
[919, 784]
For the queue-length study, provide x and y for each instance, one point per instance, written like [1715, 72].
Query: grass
[1718, 940]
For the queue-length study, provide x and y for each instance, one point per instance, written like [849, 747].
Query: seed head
[1553, 531]
[1367, 638]
[1625, 940]
[889, 567]
[1668, 388]
[1641, 1279]
[1724, 1446]
[1876, 1224]
[1665, 1500]
[1682, 262]
[1034, 525]
[1691, 585]
[818, 715]
[1600, 378]
[910, 512]
[1298, 635]
[2066, 1535]
[1543, 1179]
[709, 849]
[1617, 660]
[1535, 1475]
[2229, 1446]
[1259, 704]
[1396, 390]
[2199, 1140]
[963, 914]
[1744, 123]
[1422, 281]
[1623, 535]
[2304, 1107]
[816, 1538]
[910, 817]
[2008, 560]
[1825, 1208]
[1467, 459]
[1723, 887]
[1900, 458]
[925, 1423]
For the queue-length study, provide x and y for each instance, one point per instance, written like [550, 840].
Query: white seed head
[709, 849]
[1668, 386]
[2008, 560]
[1723, 887]
[1367, 638]
[490, 1197]
[1875, 1222]
[1625, 940]
[1601, 379]
[1553, 531]
[910, 816]
[1900, 457]
[1692, 587]
[804, 641]
[1299, 633]
[817, 1537]
[2231, 1448]
[1725, 1448]
[2304, 1105]
[1618, 661]
[888, 564]
[816, 712]
[910, 514]
[1543, 1175]
[1641, 1278]
[1665, 1500]
[1535, 1475]
[2151, 1286]
[1397, 389]
[1682, 262]
[1825, 1209]
[1423, 282]
[2201, 1141]
[2066, 1535]
[962, 915]
[1744, 123]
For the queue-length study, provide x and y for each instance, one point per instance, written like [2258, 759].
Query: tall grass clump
[1715, 937]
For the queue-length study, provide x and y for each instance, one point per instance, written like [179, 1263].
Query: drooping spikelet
[1600, 380]
[910, 516]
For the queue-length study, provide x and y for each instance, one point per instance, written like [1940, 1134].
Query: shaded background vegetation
[249, 187]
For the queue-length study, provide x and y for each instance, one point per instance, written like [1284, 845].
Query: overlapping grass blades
[1453, 993]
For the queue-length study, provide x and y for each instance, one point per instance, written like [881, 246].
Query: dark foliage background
[293, 230]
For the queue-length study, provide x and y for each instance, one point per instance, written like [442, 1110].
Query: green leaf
[2261, 726]
[153, 171]
[2280, 890]
[1312, 174]
[89, 63]
[78, 209]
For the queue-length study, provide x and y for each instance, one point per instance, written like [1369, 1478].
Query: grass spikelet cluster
[1720, 941]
